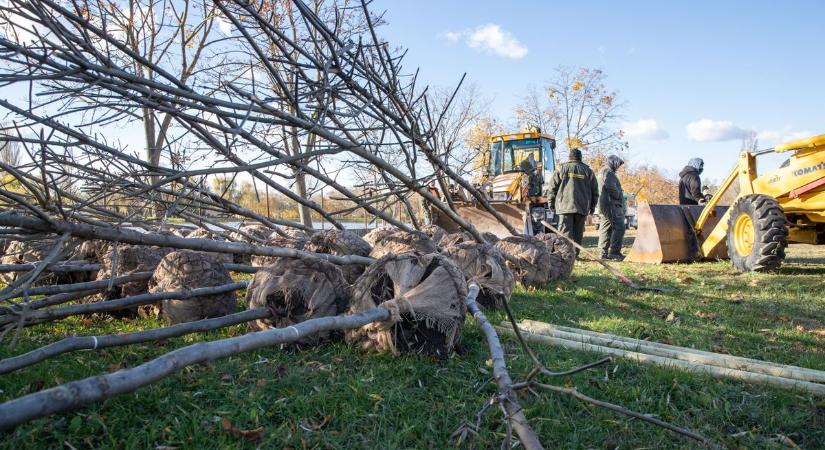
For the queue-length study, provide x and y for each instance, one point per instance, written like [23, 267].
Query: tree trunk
[304, 214]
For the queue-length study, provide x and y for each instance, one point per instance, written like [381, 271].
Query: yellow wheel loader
[767, 212]
[503, 176]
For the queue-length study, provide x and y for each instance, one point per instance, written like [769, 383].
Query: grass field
[335, 396]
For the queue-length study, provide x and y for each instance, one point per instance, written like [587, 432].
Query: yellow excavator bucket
[666, 234]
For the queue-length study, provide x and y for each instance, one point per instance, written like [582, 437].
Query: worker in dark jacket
[611, 210]
[690, 185]
[574, 193]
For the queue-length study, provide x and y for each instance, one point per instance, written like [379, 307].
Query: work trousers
[572, 226]
[611, 234]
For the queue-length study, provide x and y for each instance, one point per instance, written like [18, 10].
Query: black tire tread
[771, 238]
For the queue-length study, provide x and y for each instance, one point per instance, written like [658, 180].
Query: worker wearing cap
[574, 194]
[611, 210]
[690, 185]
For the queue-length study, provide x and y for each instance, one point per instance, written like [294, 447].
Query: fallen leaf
[323, 423]
[226, 378]
[251, 435]
[623, 305]
[685, 280]
[705, 315]
[114, 367]
[672, 317]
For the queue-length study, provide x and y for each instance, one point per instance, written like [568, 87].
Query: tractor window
[517, 151]
[495, 159]
[508, 159]
[547, 147]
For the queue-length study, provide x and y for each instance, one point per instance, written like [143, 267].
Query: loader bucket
[482, 220]
[666, 234]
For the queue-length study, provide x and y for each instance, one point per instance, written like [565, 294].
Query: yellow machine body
[499, 175]
[798, 186]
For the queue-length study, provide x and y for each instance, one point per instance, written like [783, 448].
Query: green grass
[336, 396]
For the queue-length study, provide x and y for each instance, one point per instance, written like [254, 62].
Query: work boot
[616, 257]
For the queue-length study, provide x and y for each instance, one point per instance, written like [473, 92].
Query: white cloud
[646, 129]
[452, 36]
[786, 134]
[707, 130]
[490, 38]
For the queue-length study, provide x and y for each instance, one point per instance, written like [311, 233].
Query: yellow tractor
[768, 211]
[503, 176]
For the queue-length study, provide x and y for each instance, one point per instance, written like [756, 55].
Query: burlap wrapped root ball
[296, 290]
[404, 242]
[25, 252]
[341, 243]
[129, 259]
[260, 234]
[299, 242]
[528, 258]
[185, 270]
[376, 235]
[463, 236]
[562, 253]
[424, 293]
[484, 265]
[293, 233]
[202, 233]
[435, 232]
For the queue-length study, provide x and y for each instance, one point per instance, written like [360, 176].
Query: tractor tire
[757, 234]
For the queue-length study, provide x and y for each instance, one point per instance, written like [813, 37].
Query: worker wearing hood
[611, 210]
[690, 185]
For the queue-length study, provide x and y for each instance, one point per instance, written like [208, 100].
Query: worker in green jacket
[574, 193]
[611, 210]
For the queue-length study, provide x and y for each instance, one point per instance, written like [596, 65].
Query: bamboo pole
[672, 351]
[713, 371]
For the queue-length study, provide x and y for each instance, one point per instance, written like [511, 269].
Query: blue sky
[737, 65]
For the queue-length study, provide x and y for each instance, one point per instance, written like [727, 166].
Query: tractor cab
[511, 163]
[513, 172]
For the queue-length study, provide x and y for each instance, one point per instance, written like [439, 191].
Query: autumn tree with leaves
[578, 109]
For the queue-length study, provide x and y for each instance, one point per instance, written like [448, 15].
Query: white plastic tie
[297, 333]
[94, 338]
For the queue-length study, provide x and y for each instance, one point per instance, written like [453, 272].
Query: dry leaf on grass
[706, 315]
[310, 424]
[251, 435]
[114, 367]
